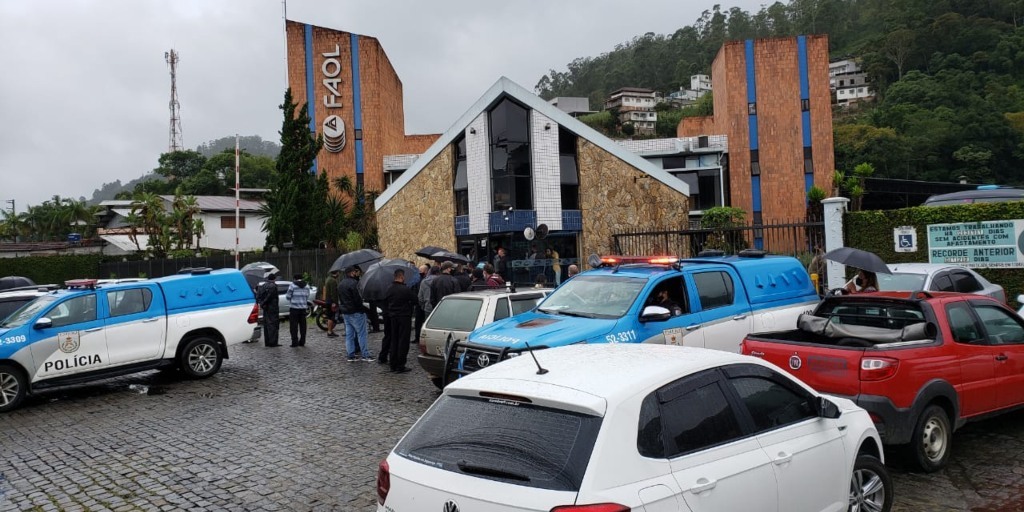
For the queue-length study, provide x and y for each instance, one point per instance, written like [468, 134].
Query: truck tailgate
[828, 369]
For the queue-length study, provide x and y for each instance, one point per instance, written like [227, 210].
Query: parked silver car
[459, 313]
[939, 277]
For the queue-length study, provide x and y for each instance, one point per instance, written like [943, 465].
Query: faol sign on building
[997, 243]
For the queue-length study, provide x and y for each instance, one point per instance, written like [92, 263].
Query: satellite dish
[542, 231]
[528, 233]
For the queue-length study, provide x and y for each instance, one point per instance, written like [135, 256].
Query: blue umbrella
[380, 275]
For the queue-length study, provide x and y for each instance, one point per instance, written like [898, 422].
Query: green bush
[53, 269]
[872, 231]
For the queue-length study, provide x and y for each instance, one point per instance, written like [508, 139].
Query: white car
[619, 427]
[938, 277]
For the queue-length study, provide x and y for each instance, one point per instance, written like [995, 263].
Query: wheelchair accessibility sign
[905, 238]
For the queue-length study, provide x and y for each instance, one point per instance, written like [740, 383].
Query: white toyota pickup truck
[89, 331]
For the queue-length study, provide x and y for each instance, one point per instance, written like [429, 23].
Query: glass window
[962, 323]
[228, 222]
[772, 404]
[511, 174]
[715, 289]
[568, 170]
[10, 306]
[523, 304]
[649, 441]
[698, 419]
[901, 281]
[1001, 327]
[74, 311]
[23, 315]
[964, 282]
[517, 443]
[942, 283]
[127, 302]
[594, 296]
[455, 315]
[501, 309]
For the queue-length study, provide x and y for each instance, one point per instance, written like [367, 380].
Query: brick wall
[402, 223]
[696, 126]
[821, 111]
[779, 128]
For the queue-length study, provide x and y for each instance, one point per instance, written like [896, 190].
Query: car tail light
[254, 315]
[423, 347]
[878, 368]
[383, 481]
[597, 507]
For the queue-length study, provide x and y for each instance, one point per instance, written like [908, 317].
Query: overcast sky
[85, 88]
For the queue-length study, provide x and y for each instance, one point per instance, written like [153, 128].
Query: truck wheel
[870, 486]
[13, 387]
[931, 439]
[201, 358]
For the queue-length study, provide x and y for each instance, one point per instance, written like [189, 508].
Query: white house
[216, 212]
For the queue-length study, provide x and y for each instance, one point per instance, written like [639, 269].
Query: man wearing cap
[266, 297]
[350, 304]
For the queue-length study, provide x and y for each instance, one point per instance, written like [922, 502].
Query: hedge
[53, 269]
[873, 231]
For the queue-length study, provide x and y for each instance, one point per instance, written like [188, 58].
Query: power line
[174, 141]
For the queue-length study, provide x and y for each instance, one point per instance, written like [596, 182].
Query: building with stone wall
[355, 100]
[772, 101]
[513, 162]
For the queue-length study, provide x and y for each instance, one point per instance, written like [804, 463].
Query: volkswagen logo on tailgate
[483, 361]
[794, 362]
[451, 506]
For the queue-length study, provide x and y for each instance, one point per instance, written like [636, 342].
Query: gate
[794, 238]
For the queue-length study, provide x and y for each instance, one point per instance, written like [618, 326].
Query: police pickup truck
[89, 331]
[710, 302]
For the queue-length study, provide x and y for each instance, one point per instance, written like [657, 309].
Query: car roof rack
[195, 270]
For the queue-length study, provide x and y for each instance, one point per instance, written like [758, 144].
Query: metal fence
[790, 238]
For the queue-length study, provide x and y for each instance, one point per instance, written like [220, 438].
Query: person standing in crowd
[298, 309]
[542, 281]
[462, 276]
[477, 279]
[421, 315]
[491, 278]
[385, 341]
[350, 304]
[331, 300]
[571, 271]
[400, 301]
[427, 289]
[501, 263]
[266, 297]
[444, 285]
[556, 267]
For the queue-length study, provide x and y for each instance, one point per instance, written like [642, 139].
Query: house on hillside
[849, 83]
[636, 107]
[216, 212]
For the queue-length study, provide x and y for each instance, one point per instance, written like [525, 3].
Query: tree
[898, 47]
[180, 164]
[291, 202]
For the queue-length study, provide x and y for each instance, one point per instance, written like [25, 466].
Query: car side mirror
[43, 323]
[825, 408]
[655, 314]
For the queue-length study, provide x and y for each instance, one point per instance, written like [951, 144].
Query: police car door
[136, 325]
[69, 339]
[724, 311]
[682, 328]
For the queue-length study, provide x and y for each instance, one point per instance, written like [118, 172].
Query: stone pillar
[834, 209]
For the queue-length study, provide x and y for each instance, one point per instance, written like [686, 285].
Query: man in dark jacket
[462, 276]
[401, 301]
[445, 284]
[266, 297]
[350, 304]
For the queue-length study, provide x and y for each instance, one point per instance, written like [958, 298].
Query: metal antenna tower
[174, 139]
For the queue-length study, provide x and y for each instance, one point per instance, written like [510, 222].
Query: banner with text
[997, 243]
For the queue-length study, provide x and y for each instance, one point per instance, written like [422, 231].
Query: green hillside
[949, 74]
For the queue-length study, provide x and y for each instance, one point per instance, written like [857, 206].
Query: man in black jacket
[350, 304]
[400, 301]
[266, 297]
[444, 284]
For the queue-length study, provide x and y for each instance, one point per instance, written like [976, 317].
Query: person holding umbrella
[400, 301]
[350, 304]
[866, 281]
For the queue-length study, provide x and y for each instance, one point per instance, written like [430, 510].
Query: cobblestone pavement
[302, 429]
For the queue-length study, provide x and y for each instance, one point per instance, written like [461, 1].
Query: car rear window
[511, 442]
[455, 315]
[887, 315]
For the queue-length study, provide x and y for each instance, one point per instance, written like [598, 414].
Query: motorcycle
[320, 313]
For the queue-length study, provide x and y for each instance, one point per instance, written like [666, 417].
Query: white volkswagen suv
[619, 427]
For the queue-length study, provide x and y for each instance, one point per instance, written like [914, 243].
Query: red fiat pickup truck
[922, 364]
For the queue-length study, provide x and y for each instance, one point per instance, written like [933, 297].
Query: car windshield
[23, 315]
[455, 314]
[507, 441]
[601, 296]
[901, 281]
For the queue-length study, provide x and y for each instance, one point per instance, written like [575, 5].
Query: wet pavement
[302, 429]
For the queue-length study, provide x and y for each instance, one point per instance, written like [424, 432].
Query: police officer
[266, 297]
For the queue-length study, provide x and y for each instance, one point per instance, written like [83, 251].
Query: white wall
[251, 237]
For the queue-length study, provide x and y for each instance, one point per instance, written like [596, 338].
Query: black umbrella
[256, 273]
[429, 251]
[361, 258]
[858, 258]
[449, 256]
[379, 276]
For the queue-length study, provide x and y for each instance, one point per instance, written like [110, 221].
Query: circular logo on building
[334, 134]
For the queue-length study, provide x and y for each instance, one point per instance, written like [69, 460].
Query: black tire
[870, 486]
[437, 382]
[13, 387]
[321, 321]
[932, 439]
[201, 358]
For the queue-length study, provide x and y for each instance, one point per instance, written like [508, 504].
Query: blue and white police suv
[710, 302]
[90, 331]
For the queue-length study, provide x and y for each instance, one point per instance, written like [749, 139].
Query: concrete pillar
[834, 209]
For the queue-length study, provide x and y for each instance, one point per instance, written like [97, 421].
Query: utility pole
[174, 142]
[236, 201]
[13, 209]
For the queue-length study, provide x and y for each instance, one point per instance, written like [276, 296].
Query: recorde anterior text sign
[996, 243]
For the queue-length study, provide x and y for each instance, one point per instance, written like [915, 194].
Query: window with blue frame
[511, 171]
